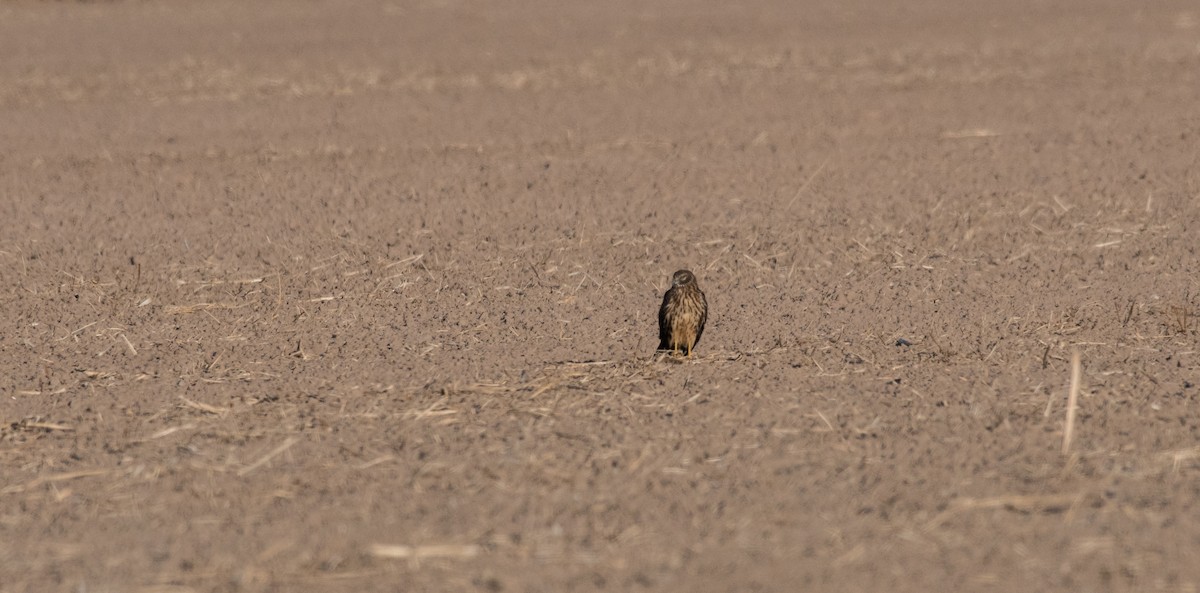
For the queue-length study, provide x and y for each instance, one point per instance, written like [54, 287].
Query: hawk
[682, 315]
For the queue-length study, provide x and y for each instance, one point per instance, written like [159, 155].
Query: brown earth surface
[361, 296]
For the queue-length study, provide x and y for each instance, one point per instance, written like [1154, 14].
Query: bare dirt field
[361, 296]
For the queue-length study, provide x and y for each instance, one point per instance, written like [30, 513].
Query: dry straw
[1072, 403]
[423, 552]
[287, 444]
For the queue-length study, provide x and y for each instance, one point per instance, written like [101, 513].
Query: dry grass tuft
[203, 407]
[1183, 455]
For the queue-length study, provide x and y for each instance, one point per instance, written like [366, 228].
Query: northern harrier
[682, 315]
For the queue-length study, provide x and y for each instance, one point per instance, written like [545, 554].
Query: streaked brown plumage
[682, 315]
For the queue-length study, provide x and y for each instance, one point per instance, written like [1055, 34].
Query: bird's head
[682, 277]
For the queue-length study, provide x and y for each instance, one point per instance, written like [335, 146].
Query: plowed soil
[361, 296]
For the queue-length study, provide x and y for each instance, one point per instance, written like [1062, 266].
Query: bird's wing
[664, 326]
[703, 314]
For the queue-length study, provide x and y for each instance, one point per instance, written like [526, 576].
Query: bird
[682, 315]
